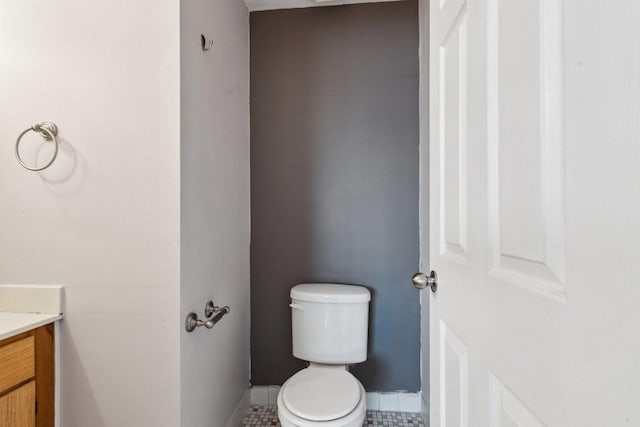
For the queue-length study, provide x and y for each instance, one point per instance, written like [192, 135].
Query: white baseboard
[238, 413]
[397, 401]
[264, 394]
[376, 401]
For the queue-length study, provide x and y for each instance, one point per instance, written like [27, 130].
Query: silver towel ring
[48, 130]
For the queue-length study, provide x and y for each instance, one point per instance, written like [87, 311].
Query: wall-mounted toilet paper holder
[192, 322]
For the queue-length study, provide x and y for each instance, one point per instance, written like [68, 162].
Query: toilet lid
[319, 394]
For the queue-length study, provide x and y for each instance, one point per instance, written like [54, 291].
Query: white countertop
[16, 323]
[26, 307]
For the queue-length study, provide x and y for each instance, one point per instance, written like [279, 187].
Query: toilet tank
[330, 322]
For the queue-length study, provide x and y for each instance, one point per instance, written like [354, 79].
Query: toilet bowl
[321, 396]
[329, 330]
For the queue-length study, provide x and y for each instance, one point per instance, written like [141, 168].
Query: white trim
[423, 233]
[238, 413]
[424, 409]
[264, 394]
[397, 401]
[57, 380]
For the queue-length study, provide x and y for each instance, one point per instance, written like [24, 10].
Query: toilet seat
[318, 394]
[321, 397]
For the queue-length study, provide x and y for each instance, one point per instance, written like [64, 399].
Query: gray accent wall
[334, 178]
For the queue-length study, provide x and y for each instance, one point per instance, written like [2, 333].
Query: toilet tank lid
[330, 293]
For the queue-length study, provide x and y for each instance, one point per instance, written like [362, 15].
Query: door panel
[525, 144]
[454, 379]
[534, 213]
[453, 147]
[506, 409]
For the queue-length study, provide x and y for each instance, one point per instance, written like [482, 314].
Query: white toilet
[330, 324]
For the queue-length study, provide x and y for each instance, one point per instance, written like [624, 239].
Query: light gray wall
[214, 172]
[334, 177]
[103, 220]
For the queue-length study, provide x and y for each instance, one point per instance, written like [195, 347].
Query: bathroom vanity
[28, 355]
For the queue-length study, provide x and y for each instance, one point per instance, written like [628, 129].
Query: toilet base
[352, 419]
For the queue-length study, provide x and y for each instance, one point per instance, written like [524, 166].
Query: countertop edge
[33, 324]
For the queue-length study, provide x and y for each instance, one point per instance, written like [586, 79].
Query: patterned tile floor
[267, 416]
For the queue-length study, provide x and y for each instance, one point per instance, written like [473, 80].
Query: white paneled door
[534, 212]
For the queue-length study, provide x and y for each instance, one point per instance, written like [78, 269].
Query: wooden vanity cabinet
[27, 379]
[18, 407]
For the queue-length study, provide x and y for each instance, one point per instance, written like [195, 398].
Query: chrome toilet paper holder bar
[192, 321]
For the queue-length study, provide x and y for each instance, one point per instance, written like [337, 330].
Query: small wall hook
[206, 44]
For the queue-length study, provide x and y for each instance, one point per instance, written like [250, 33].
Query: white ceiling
[291, 4]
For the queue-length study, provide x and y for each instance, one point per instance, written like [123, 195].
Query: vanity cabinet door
[17, 363]
[18, 408]
[27, 376]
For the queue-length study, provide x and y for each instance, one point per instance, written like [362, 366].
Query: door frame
[423, 113]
